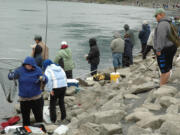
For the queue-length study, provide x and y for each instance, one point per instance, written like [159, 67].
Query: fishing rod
[46, 31]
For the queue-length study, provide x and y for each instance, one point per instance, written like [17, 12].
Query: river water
[73, 22]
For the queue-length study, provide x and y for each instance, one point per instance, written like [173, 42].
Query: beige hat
[145, 22]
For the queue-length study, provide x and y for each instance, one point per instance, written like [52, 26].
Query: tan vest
[45, 50]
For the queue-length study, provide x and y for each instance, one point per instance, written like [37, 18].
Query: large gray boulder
[111, 129]
[166, 101]
[135, 130]
[170, 128]
[109, 117]
[138, 115]
[136, 89]
[152, 107]
[165, 91]
[153, 122]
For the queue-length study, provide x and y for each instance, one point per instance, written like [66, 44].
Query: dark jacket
[38, 55]
[94, 54]
[144, 33]
[29, 84]
[128, 47]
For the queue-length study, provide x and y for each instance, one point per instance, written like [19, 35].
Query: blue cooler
[72, 82]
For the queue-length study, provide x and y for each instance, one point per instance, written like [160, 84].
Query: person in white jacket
[57, 83]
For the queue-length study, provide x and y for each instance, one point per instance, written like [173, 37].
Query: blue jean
[94, 69]
[117, 60]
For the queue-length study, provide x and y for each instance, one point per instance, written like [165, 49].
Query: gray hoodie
[161, 40]
[117, 45]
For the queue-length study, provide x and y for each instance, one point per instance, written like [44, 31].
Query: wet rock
[90, 129]
[175, 74]
[115, 103]
[51, 128]
[170, 128]
[135, 130]
[173, 109]
[70, 91]
[165, 91]
[152, 107]
[136, 89]
[112, 116]
[153, 122]
[111, 129]
[137, 116]
[69, 100]
[166, 101]
[131, 96]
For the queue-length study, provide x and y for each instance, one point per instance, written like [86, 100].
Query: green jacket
[66, 54]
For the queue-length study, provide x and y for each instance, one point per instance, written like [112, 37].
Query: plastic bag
[61, 130]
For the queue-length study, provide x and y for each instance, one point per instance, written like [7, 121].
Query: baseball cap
[159, 11]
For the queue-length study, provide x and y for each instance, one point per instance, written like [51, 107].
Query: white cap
[63, 43]
[145, 22]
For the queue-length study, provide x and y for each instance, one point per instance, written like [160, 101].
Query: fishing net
[9, 87]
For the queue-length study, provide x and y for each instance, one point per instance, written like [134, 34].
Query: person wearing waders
[64, 57]
[117, 47]
[143, 36]
[165, 49]
[129, 44]
[45, 49]
[93, 57]
[38, 55]
[57, 83]
[29, 77]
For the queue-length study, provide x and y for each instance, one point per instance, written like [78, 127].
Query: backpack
[173, 35]
[61, 62]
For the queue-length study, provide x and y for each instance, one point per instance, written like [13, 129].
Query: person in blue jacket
[57, 87]
[29, 77]
[144, 35]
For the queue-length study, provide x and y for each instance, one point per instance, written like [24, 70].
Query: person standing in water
[117, 47]
[45, 49]
[30, 76]
[64, 56]
[93, 57]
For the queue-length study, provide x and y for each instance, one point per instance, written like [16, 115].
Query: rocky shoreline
[134, 106]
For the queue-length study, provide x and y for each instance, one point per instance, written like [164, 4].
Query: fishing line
[46, 32]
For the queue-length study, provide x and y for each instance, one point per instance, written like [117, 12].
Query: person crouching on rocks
[93, 57]
[117, 47]
[30, 76]
[57, 87]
